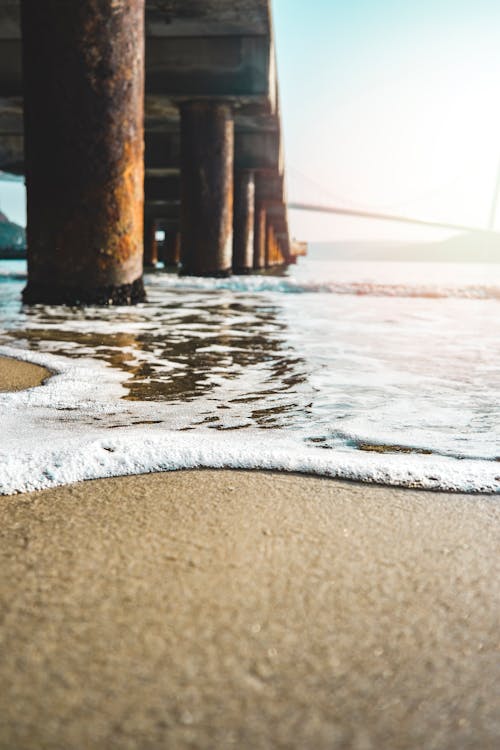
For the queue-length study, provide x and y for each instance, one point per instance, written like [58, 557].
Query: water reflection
[183, 346]
[341, 372]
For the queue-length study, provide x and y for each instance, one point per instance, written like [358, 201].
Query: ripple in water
[412, 378]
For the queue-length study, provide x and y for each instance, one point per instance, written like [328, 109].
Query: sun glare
[408, 121]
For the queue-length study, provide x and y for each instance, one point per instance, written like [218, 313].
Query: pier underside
[101, 79]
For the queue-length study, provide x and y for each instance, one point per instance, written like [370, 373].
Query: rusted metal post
[275, 251]
[150, 244]
[207, 156]
[269, 255]
[243, 223]
[277, 254]
[172, 247]
[277, 259]
[259, 238]
[260, 223]
[282, 259]
[83, 112]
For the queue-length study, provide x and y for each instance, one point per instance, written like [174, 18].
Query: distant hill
[473, 247]
[12, 239]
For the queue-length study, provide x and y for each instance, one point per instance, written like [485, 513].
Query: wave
[264, 283]
[74, 460]
[60, 433]
[11, 271]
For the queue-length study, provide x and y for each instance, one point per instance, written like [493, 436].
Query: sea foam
[345, 370]
[315, 284]
[290, 285]
[69, 430]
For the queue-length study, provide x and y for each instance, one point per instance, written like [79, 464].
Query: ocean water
[381, 372]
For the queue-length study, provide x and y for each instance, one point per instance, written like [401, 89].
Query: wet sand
[218, 609]
[16, 375]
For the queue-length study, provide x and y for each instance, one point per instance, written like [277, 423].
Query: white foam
[313, 282]
[290, 285]
[322, 374]
[50, 438]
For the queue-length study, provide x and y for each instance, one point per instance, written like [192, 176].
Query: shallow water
[387, 372]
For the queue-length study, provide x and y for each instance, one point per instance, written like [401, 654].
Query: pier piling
[83, 121]
[150, 244]
[270, 244]
[260, 223]
[206, 107]
[172, 247]
[207, 162]
[259, 241]
[244, 218]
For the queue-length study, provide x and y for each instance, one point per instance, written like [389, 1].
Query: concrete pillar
[243, 223]
[172, 251]
[83, 112]
[207, 157]
[150, 244]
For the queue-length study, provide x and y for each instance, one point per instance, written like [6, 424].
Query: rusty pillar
[260, 224]
[272, 249]
[150, 244]
[280, 259]
[275, 251]
[260, 221]
[207, 156]
[281, 254]
[243, 223]
[270, 244]
[259, 237]
[83, 114]
[172, 251]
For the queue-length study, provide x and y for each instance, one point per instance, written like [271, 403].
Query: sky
[13, 201]
[390, 105]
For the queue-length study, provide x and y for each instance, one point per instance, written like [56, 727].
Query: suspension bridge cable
[494, 204]
[317, 208]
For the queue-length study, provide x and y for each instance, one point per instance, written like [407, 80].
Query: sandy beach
[204, 609]
[16, 375]
[249, 375]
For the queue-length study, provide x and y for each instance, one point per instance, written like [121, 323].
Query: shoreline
[17, 375]
[200, 609]
[141, 449]
[218, 608]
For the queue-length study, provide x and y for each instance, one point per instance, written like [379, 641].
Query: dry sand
[16, 375]
[217, 609]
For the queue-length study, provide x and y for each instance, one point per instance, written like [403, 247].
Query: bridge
[129, 116]
[319, 208]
